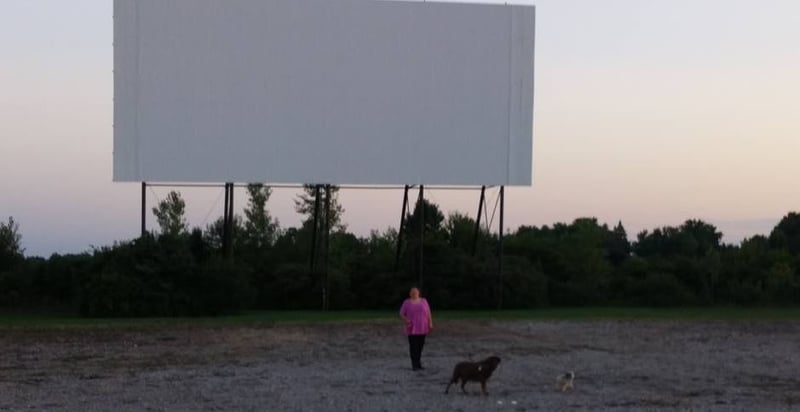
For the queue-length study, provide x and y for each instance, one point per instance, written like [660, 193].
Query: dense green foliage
[584, 263]
[10, 249]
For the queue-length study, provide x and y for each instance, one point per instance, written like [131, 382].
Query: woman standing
[417, 315]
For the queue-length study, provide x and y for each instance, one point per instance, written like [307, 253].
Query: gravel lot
[620, 365]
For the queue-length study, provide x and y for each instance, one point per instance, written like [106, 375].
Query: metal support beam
[231, 220]
[326, 227]
[227, 222]
[421, 205]
[401, 230]
[225, 209]
[478, 221]
[144, 207]
[500, 248]
[314, 230]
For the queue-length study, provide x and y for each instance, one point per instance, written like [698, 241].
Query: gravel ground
[620, 365]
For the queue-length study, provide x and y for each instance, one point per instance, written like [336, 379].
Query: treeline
[181, 271]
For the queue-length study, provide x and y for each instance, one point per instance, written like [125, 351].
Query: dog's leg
[483, 389]
[448, 387]
[463, 382]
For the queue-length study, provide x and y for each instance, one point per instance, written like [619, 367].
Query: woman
[417, 316]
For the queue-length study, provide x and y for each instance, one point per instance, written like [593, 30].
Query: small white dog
[565, 381]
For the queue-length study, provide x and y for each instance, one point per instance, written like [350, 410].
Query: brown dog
[474, 371]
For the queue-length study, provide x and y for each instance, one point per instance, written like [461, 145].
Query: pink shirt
[418, 316]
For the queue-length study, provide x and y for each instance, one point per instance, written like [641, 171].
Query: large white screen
[323, 91]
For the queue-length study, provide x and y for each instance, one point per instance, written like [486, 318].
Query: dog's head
[491, 362]
[567, 376]
[487, 366]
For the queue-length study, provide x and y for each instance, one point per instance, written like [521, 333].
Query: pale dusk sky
[647, 111]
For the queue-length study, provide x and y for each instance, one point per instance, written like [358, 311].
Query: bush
[293, 287]
[524, 287]
[112, 294]
[578, 264]
[13, 287]
[220, 287]
[658, 289]
[161, 277]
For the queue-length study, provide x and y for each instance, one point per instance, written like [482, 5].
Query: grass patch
[11, 321]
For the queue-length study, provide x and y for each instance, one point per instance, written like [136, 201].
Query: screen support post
[315, 225]
[326, 228]
[500, 249]
[144, 207]
[321, 223]
[227, 222]
[401, 230]
[421, 217]
[478, 221]
[231, 226]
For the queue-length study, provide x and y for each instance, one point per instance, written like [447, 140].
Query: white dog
[565, 381]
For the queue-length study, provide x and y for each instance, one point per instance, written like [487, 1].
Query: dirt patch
[620, 365]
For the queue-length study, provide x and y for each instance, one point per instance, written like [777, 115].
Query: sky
[646, 112]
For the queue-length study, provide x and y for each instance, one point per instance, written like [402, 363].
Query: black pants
[415, 344]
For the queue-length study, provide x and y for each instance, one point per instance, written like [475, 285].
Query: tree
[260, 229]
[786, 235]
[694, 238]
[618, 248]
[10, 249]
[705, 235]
[305, 204]
[429, 248]
[460, 230]
[170, 215]
[215, 232]
[433, 219]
